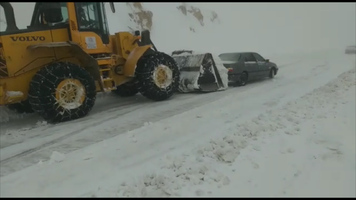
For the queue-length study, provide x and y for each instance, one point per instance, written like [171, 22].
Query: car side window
[258, 57]
[249, 58]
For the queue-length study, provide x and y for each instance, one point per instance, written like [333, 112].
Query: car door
[251, 66]
[263, 68]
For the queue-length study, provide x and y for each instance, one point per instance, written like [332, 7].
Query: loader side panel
[21, 63]
[18, 58]
[60, 35]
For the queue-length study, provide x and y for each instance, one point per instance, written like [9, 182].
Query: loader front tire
[61, 92]
[158, 76]
[127, 89]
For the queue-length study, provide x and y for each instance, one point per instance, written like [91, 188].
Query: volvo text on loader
[66, 55]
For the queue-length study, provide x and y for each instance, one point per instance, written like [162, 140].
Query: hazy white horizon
[270, 28]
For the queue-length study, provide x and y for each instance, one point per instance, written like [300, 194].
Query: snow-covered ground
[290, 136]
[293, 135]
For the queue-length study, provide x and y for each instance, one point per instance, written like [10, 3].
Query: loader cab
[84, 17]
[80, 20]
[56, 12]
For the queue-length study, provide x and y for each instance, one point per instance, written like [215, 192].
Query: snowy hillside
[269, 28]
[141, 16]
[173, 25]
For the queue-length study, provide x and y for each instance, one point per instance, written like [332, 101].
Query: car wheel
[243, 79]
[272, 73]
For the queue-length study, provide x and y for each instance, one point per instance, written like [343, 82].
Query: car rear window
[230, 56]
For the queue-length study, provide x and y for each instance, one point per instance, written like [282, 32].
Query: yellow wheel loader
[57, 64]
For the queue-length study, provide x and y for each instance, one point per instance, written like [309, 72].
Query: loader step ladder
[107, 83]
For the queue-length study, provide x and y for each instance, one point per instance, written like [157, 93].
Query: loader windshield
[91, 17]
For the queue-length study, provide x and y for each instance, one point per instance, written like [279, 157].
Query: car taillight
[230, 69]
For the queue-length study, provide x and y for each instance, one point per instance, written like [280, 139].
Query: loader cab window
[87, 17]
[91, 18]
[42, 9]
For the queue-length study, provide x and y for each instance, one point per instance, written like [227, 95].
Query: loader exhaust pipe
[146, 39]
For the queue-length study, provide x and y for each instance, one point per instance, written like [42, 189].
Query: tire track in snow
[72, 133]
[183, 103]
[179, 108]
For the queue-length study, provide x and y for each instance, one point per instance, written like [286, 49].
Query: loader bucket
[199, 72]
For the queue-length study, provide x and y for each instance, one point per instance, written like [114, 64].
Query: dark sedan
[246, 66]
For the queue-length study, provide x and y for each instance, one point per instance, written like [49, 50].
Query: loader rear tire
[158, 76]
[127, 89]
[61, 92]
[22, 107]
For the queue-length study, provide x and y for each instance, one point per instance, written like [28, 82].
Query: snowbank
[286, 152]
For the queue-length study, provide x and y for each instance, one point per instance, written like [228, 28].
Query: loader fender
[88, 62]
[132, 59]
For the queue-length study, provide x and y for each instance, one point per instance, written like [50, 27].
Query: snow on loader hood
[200, 71]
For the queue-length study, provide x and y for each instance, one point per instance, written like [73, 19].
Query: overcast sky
[274, 27]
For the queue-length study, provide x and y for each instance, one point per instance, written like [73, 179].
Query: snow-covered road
[270, 137]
